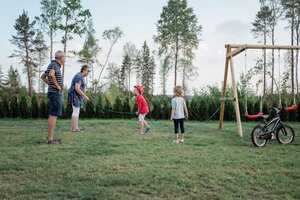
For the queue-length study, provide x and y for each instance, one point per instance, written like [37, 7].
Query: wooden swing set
[231, 51]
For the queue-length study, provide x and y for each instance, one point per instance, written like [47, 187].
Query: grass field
[109, 161]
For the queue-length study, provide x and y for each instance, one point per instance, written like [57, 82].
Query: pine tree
[13, 81]
[126, 66]
[130, 50]
[25, 42]
[147, 71]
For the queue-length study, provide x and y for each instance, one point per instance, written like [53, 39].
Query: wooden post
[224, 90]
[236, 100]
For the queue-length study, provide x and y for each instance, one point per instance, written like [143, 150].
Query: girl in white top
[179, 112]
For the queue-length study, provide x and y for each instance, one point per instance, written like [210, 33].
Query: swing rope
[294, 106]
[246, 96]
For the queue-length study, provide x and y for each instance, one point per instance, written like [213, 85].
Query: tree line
[178, 34]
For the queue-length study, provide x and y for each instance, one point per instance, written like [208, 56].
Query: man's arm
[44, 78]
[53, 79]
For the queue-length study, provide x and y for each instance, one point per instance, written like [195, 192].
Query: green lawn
[109, 161]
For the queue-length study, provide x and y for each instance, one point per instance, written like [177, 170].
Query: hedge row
[200, 108]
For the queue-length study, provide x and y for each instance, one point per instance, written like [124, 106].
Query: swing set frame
[231, 51]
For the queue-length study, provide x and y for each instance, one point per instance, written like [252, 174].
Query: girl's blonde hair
[178, 91]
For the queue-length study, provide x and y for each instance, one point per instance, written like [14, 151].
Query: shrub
[14, 107]
[118, 108]
[34, 107]
[24, 109]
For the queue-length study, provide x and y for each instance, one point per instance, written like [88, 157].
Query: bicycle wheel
[285, 134]
[258, 136]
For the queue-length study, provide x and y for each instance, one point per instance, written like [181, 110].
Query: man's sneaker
[181, 140]
[54, 141]
[176, 141]
[147, 129]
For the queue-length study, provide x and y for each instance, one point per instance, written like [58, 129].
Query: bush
[118, 108]
[156, 111]
[67, 111]
[89, 109]
[5, 107]
[203, 109]
[166, 108]
[24, 109]
[34, 107]
[212, 108]
[14, 107]
[194, 108]
[127, 109]
[44, 109]
[229, 111]
[99, 108]
[107, 109]
[135, 107]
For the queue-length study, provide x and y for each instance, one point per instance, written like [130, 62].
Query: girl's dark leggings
[179, 122]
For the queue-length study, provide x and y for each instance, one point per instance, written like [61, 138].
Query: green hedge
[201, 107]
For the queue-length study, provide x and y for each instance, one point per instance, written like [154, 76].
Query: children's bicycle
[272, 129]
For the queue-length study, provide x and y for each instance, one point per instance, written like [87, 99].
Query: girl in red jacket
[142, 108]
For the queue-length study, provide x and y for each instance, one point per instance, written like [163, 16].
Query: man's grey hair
[59, 54]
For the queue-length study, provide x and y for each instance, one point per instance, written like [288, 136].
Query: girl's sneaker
[147, 129]
[176, 141]
[181, 140]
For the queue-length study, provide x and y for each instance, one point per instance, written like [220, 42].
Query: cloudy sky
[223, 22]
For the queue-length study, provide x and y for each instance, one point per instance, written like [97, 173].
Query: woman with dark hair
[76, 95]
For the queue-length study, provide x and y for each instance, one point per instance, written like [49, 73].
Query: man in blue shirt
[53, 78]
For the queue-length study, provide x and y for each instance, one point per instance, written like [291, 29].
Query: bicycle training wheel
[258, 136]
[285, 135]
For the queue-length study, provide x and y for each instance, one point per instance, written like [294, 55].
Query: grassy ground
[109, 161]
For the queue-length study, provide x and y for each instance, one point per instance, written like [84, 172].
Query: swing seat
[291, 108]
[254, 116]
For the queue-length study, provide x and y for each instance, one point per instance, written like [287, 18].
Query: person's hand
[186, 117]
[59, 88]
[171, 118]
[86, 97]
[137, 113]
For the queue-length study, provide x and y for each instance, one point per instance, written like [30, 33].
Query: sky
[223, 22]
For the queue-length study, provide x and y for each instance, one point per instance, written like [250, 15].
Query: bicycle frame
[274, 124]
